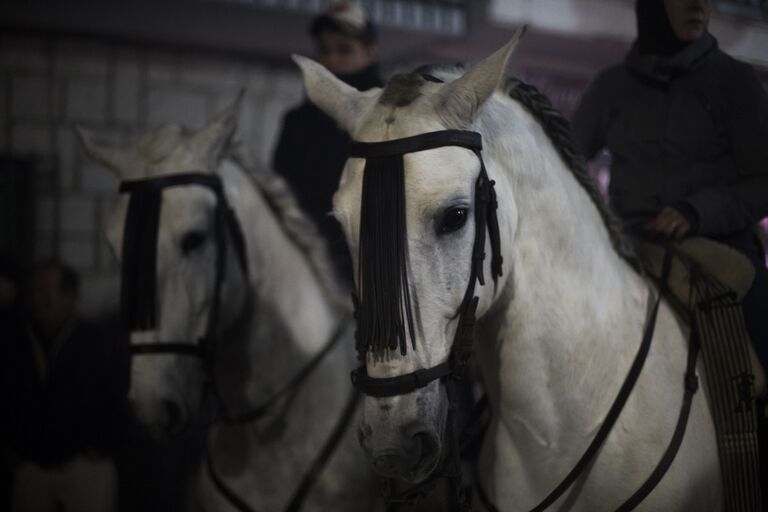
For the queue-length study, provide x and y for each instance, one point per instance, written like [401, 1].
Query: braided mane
[558, 130]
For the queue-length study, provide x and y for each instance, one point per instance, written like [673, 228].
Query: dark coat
[688, 131]
[310, 155]
[68, 398]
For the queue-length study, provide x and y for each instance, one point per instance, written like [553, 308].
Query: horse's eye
[192, 241]
[453, 219]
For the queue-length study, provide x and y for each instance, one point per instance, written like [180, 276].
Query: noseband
[138, 294]
[387, 156]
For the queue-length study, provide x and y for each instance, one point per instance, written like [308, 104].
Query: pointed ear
[342, 102]
[460, 100]
[211, 140]
[116, 159]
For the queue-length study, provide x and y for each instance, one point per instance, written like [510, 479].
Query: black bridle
[454, 368]
[139, 312]
[138, 295]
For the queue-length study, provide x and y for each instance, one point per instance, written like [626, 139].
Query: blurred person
[687, 129]
[312, 149]
[65, 384]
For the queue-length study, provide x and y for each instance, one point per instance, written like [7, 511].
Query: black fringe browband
[385, 314]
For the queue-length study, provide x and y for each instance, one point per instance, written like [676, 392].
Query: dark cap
[345, 17]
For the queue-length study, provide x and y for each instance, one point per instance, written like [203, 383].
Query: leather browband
[422, 142]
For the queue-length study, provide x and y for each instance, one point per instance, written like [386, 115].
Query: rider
[312, 149]
[64, 385]
[687, 129]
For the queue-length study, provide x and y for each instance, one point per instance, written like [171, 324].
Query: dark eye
[192, 241]
[452, 220]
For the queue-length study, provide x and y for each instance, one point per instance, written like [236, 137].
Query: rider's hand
[670, 223]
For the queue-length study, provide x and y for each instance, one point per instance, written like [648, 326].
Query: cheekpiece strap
[416, 143]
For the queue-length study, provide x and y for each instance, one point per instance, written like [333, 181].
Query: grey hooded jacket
[688, 131]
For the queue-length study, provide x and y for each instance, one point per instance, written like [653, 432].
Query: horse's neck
[571, 302]
[291, 315]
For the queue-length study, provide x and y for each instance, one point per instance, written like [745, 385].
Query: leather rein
[454, 368]
[138, 312]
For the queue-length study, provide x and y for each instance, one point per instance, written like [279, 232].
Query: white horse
[272, 323]
[558, 334]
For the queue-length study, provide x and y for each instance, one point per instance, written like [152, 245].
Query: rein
[381, 157]
[139, 312]
[691, 385]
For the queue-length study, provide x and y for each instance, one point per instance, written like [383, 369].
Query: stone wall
[118, 90]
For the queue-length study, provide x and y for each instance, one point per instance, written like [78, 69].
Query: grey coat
[689, 131]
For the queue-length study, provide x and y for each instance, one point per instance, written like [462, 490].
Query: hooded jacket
[310, 155]
[688, 130]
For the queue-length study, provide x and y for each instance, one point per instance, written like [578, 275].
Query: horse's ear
[461, 99]
[114, 158]
[210, 141]
[342, 102]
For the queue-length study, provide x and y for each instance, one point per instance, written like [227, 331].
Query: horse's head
[169, 280]
[412, 239]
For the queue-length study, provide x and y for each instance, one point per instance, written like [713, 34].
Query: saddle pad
[726, 265]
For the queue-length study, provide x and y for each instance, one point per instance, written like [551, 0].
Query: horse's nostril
[390, 463]
[174, 414]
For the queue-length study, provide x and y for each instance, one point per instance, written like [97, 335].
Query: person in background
[312, 149]
[65, 384]
[687, 129]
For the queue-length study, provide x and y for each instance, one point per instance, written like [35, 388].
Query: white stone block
[177, 105]
[20, 53]
[212, 73]
[86, 100]
[31, 138]
[45, 214]
[81, 58]
[67, 152]
[127, 89]
[30, 96]
[162, 68]
[257, 79]
[78, 213]
[45, 246]
[286, 83]
[95, 178]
